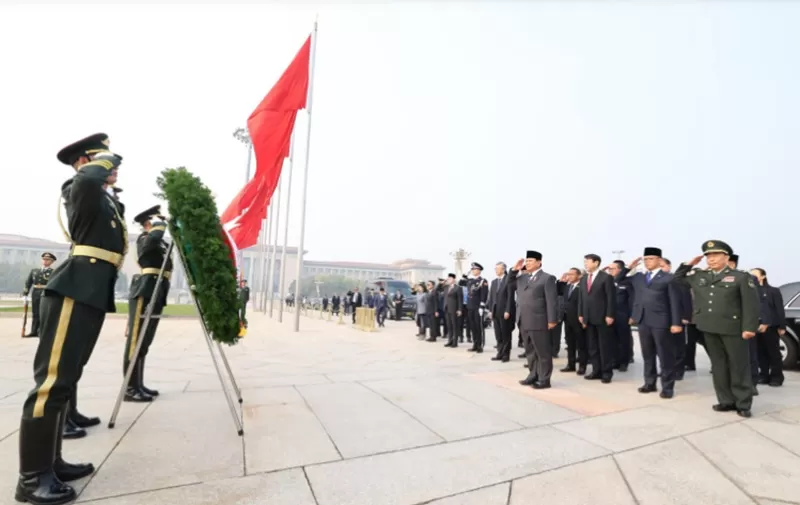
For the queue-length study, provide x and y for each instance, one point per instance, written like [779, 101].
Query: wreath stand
[149, 315]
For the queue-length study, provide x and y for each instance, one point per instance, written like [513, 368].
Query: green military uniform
[37, 279]
[77, 297]
[726, 304]
[151, 250]
[244, 298]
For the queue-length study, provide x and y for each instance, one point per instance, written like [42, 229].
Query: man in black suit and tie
[622, 327]
[656, 312]
[355, 302]
[453, 306]
[502, 320]
[537, 298]
[574, 334]
[597, 306]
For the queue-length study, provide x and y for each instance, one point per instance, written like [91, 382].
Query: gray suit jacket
[537, 299]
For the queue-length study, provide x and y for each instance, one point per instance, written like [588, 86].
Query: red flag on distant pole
[270, 127]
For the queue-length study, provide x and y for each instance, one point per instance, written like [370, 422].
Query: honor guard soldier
[244, 298]
[37, 280]
[478, 290]
[74, 305]
[727, 311]
[151, 250]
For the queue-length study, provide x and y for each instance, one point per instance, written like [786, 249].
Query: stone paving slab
[755, 463]
[336, 416]
[601, 483]
[675, 473]
[416, 475]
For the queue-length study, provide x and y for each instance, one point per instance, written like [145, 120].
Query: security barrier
[365, 319]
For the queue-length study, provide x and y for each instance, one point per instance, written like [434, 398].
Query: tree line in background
[13, 277]
[329, 284]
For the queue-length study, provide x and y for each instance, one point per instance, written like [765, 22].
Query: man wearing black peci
[657, 315]
[78, 296]
[597, 305]
[151, 249]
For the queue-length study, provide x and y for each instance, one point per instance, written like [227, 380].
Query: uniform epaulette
[107, 164]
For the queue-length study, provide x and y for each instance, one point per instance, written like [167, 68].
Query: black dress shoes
[648, 388]
[137, 396]
[72, 431]
[541, 385]
[723, 408]
[496, 358]
[744, 413]
[667, 394]
[567, 369]
[581, 370]
[523, 355]
[592, 377]
[623, 367]
[530, 381]
[606, 380]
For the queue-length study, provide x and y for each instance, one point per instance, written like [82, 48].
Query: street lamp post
[243, 136]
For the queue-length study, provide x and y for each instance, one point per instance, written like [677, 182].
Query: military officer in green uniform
[151, 250]
[726, 310]
[37, 280]
[74, 305]
[244, 297]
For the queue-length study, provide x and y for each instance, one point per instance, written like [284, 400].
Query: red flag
[270, 127]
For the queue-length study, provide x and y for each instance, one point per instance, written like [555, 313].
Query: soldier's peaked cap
[716, 246]
[142, 217]
[477, 265]
[652, 251]
[92, 144]
[49, 255]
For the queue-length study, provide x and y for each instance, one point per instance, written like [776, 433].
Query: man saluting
[727, 309]
[37, 280]
[150, 249]
[73, 309]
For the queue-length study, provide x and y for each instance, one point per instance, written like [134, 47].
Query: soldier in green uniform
[74, 305]
[244, 297]
[726, 310]
[37, 280]
[150, 249]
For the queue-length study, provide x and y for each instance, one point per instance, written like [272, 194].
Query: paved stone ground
[335, 416]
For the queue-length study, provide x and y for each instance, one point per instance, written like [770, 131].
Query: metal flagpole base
[140, 340]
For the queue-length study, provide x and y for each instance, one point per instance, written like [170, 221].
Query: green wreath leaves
[197, 232]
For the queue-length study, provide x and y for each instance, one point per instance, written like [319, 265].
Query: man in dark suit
[574, 334]
[656, 312]
[502, 321]
[453, 305]
[622, 326]
[597, 306]
[356, 301]
[685, 310]
[538, 310]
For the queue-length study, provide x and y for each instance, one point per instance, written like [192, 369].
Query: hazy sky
[566, 127]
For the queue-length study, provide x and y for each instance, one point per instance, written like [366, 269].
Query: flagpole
[301, 245]
[286, 233]
[268, 241]
[274, 252]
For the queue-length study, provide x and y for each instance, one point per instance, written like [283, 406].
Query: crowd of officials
[736, 316]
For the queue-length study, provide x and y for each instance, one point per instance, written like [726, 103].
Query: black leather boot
[151, 392]
[38, 483]
[67, 472]
[133, 393]
[78, 419]
[72, 431]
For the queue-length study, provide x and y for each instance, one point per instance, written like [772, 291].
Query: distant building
[28, 250]
[16, 249]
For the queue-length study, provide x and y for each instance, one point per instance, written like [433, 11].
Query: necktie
[589, 283]
[647, 277]
[571, 287]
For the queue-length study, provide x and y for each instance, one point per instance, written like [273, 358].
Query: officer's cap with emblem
[477, 265]
[716, 246]
[533, 255]
[90, 145]
[50, 256]
[145, 216]
[652, 251]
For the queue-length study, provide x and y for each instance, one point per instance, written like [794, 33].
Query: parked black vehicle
[391, 286]
[790, 341]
